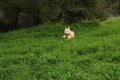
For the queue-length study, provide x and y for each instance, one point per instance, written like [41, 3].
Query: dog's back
[72, 34]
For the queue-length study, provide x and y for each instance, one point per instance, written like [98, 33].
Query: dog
[68, 33]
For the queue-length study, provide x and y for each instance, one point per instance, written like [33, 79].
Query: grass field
[40, 53]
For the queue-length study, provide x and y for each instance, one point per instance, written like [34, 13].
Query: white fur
[68, 33]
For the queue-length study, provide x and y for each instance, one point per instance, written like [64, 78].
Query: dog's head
[67, 31]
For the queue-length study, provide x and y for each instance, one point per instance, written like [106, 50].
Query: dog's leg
[63, 36]
[68, 37]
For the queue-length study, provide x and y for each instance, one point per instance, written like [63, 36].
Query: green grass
[40, 53]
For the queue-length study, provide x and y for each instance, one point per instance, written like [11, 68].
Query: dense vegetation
[16, 14]
[40, 53]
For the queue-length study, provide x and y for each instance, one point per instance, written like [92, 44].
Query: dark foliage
[23, 13]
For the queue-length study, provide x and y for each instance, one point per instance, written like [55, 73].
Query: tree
[50, 9]
[41, 11]
[84, 9]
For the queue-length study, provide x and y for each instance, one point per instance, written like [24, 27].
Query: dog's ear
[68, 27]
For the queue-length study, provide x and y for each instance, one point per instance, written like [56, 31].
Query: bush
[44, 11]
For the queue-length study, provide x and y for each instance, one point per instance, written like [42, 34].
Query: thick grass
[41, 53]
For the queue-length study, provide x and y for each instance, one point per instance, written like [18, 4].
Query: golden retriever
[68, 33]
